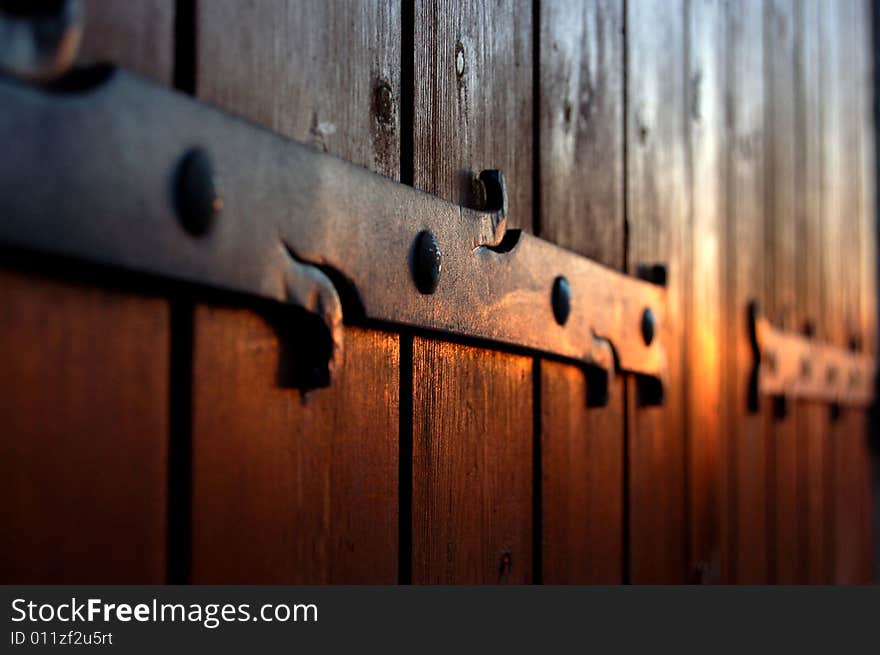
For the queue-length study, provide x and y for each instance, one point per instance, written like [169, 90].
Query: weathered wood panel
[282, 65]
[472, 111]
[833, 310]
[850, 503]
[473, 100]
[811, 418]
[304, 489]
[732, 141]
[657, 210]
[84, 406]
[472, 465]
[580, 104]
[744, 481]
[865, 45]
[781, 255]
[136, 35]
[582, 485]
[324, 73]
[844, 116]
[702, 262]
[84, 411]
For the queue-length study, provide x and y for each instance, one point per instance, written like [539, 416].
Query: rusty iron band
[107, 167]
[791, 365]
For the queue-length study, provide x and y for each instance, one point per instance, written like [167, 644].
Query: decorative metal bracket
[107, 167]
[790, 365]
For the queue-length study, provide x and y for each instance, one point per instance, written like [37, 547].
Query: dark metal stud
[649, 326]
[428, 261]
[649, 391]
[561, 299]
[196, 194]
[653, 273]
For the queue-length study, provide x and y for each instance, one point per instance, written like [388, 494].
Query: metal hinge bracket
[790, 365]
[105, 166]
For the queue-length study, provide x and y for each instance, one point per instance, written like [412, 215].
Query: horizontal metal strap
[109, 167]
[790, 365]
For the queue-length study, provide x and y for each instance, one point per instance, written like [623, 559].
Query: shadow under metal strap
[108, 167]
[790, 365]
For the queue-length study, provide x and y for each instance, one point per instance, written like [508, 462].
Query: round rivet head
[196, 194]
[649, 326]
[428, 261]
[561, 299]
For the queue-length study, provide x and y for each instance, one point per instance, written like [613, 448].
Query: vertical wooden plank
[84, 441]
[472, 111]
[703, 319]
[472, 468]
[844, 142]
[780, 250]
[84, 407]
[473, 100]
[863, 139]
[814, 426]
[744, 533]
[312, 487]
[136, 35]
[865, 47]
[812, 417]
[851, 546]
[581, 127]
[581, 194]
[582, 485]
[307, 486]
[318, 72]
[657, 209]
[833, 309]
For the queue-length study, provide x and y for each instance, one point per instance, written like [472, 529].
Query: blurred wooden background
[143, 437]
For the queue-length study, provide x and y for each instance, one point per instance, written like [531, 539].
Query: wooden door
[146, 434]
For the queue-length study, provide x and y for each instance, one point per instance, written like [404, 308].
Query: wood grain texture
[851, 537]
[289, 489]
[83, 452]
[864, 215]
[813, 463]
[327, 74]
[657, 206]
[314, 71]
[781, 257]
[136, 35]
[581, 170]
[84, 407]
[581, 127]
[582, 486]
[472, 465]
[811, 418]
[472, 111]
[473, 100]
[842, 169]
[864, 47]
[703, 261]
[844, 140]
[744, 485]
